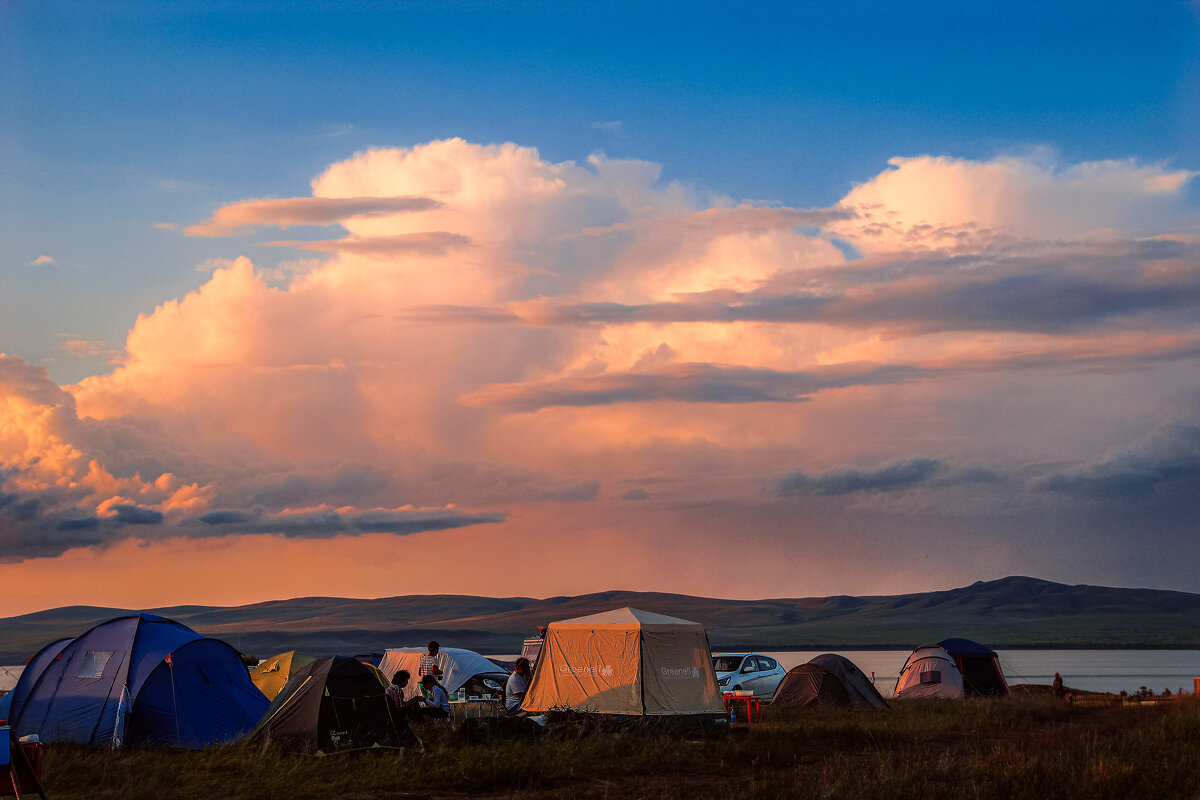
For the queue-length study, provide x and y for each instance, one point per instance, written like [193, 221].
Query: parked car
[748, 671]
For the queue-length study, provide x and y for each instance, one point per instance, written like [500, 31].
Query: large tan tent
[625, 661]
[272, 674]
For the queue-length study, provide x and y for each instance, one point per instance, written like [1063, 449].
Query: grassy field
[1019, 748]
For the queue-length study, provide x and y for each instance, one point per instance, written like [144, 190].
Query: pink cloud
[289, 211]
[434, 243]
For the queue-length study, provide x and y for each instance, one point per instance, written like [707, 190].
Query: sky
[536, 299]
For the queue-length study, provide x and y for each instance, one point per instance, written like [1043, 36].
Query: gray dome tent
[334, 704]
[827, 680]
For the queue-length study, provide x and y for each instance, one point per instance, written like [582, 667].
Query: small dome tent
[930, 672]
[334, 703]
[980, 668]
[140, 679]
[271, 675]
[458, 667]
[827, 680]
[625, 661]
[810, 685]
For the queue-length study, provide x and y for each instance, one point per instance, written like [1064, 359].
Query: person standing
[429, 665]
[1057, 686]
[517, 685]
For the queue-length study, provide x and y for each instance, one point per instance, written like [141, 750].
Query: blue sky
[123, 123]
[122, 115]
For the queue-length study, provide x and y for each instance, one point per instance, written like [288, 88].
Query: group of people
[433, 701]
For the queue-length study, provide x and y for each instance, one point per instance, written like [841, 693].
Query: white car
[748, 671]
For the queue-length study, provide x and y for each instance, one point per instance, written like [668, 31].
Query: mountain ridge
[1016, 611]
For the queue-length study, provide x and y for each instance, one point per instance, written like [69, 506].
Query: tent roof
[965, 647]
[625, 618]
[457, 664]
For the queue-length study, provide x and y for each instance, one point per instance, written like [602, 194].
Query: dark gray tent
[335, 704]
[828, 680]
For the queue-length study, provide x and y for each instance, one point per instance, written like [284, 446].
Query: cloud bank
[490, 342]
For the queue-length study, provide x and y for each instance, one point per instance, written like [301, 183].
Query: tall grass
[1020, 748]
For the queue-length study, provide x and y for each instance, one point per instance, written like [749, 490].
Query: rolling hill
[1008, 613]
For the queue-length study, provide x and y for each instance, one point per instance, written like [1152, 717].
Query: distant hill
[1008, 613]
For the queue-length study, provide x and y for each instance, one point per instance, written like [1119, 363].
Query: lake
[1093, 670]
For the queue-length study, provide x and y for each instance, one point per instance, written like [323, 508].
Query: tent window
[93, 663]
[931, 676]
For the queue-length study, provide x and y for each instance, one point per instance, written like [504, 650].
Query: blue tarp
[140, 679]
[965, 647]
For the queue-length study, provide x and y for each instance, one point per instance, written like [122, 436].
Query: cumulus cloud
[938, 201]
[40, 260]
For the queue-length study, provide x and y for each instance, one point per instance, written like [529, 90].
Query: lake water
[1093, 670]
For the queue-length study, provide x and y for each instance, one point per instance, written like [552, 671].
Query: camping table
[475, 708]
[753, 705]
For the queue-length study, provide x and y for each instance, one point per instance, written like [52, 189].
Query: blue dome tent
[140, 679]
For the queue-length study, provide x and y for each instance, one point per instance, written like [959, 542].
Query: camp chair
[16, 773]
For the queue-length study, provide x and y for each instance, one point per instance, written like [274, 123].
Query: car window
[726, 663]
[750, 664]
[767, 663]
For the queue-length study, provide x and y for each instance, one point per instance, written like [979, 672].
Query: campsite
[621, 703]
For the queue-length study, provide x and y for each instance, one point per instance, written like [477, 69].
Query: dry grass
[1021, 748]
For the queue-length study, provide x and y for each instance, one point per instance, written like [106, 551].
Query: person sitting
[517, 685]
[436, 699]
[395, 690]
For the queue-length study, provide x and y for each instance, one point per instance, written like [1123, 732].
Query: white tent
[458, 666]
[625, 661]
[930, 672]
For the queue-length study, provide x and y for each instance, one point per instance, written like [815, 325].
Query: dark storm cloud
[135, 515]
[416, 522]
[328, 524]
[226, 517]
[44, 525]
[1166, 461]
[78, 523]
[688, 383]
[891, 478]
